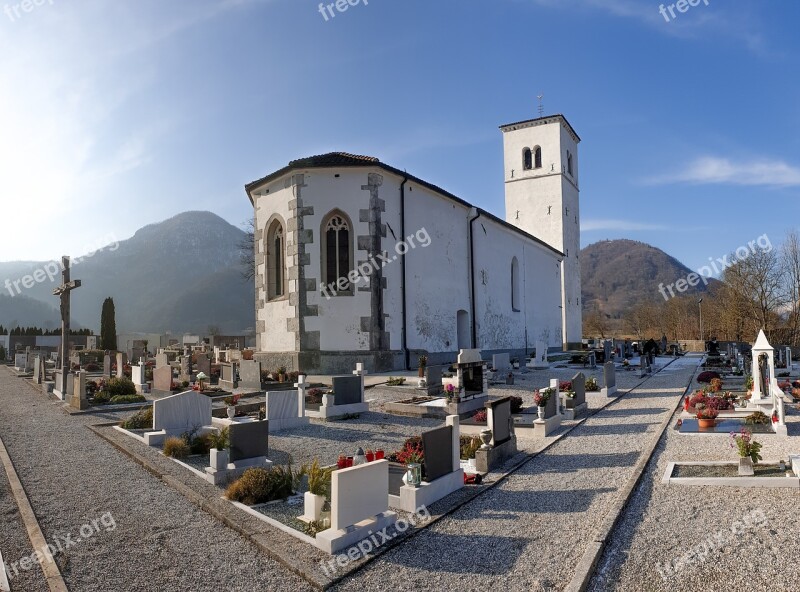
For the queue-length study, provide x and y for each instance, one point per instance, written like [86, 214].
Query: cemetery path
[529, 532]
[128, 530]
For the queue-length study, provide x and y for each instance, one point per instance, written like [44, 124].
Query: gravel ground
[663, 522]
[161, 541]
[15, 544]
[529, 532]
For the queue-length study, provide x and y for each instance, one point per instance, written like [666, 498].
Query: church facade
[357, 261]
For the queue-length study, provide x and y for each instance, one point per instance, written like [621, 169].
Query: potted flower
[748, 451]
[370, 455]
[423, 363]
[707, 417]
[541, 398]
[380, 454]
[201, 379]
[281, 373]
[342, 462]
[219, 442]
[231, 402]
[452, 393]
[319, 491]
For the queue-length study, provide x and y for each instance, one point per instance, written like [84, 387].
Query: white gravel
[530, 531]
[161, 542]
[663, 522]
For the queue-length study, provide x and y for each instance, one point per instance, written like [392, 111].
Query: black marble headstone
[501, 416]
[249, 440]
[579, 387]
[346, 390]
[438, 447]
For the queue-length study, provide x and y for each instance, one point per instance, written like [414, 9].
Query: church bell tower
[542, 198]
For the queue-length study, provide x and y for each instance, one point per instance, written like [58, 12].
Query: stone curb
[51, 572]
[594, 551]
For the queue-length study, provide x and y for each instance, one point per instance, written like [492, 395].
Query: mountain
[20, 310]
[180, 275]
[618, 274]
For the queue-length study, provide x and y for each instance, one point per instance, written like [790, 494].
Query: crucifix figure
[63, 291]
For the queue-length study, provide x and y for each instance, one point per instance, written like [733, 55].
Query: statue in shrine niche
[763, 370]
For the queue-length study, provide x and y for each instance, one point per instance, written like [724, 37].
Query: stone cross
[301, 385]
[63, 291]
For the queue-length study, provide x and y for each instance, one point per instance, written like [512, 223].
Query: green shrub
[176, 448]
[319, 479]
[118, 387]
[142, 420]
[258, 486]
[395, 381]
[120, 399]
[200, 444]
[219, 440]
[101, 398]
[2, 354]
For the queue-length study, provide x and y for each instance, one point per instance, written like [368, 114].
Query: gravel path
[663, 522]
[161, 541]
[529, 532]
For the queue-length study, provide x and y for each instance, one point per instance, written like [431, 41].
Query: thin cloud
[612, 224]
[713, 170]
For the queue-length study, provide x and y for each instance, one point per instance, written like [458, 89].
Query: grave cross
[63, 291]
[301, 385]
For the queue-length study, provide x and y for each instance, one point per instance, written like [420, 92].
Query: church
[357, 261]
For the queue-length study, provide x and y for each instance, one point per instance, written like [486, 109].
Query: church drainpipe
[472, 277]
[406, 353]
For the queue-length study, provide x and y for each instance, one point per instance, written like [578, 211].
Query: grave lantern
[359, 458]
[414, 474]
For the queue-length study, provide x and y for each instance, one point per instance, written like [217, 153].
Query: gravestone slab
[550, 409]
[282, 405]
[501, 362]
[610, 379]
[433, 377]
[606, 350]
[38, 370]
[162, 378]
[203, 365]
[20, 361]
[162, 360]
[359, 493]
[120, 364]
[579, 386]
[499, 420]
[438, 447]
[348, 390]
[250, 375]
[249, 440]
[182, 412]
[106, 366]
[541, 361]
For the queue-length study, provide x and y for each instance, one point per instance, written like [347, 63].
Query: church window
[276, 260]
[337, 252]
[527, 159]
[515, 295]
[569, 162]
[537, 157]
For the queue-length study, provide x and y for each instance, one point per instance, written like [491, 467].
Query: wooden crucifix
[63, 291]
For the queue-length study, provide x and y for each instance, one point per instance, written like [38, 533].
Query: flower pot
[706, 423]
[746, 467]
[370, 456]
[231, 412]
[219, 459]
[379, 454]
[349, 462]
[486, 437]
[540, 410]
[312, 506]
[341, 463]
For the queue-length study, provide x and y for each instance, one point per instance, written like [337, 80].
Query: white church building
[357, 261]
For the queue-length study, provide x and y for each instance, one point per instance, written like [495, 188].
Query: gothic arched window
[337, 251]
[515, 295]
[276, 260]
[527, 159]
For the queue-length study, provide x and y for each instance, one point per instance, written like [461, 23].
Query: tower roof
[557, 118]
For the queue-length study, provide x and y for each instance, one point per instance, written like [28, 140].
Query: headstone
[138, 377]
[249, 375]
[281, 405]
[359, 493]
[249, 440]
[438, 447]
[20, 361]
[182, 413]
[663, 344]
[433, 378]
[38, 370]
[540, 361]
[789, 358]
[551, 408]
[501, 362]
[162, 378]
[348, 390]
[579, 388]
[301, 385]
[628, 349]
[79, 399]
[204, 365]
[120, 365]
[606, 350]
[592, 360]
[610, 379]
[162, 360]
[106, 366]
[69, 379]
[498, 415]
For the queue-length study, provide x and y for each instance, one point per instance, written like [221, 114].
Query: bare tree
[791, 265]
[595, 322]
[758, 284]
[247, 250]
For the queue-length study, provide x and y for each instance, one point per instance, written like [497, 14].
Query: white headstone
[182, 413]
[467, 356]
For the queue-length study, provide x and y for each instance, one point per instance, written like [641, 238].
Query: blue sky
[118, 114]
